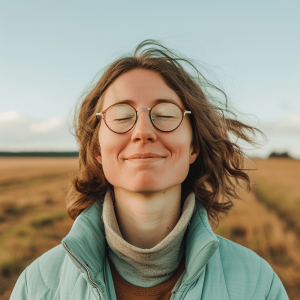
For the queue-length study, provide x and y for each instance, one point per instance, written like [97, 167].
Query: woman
[156, 164]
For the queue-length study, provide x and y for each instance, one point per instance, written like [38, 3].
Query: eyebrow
[128, 101]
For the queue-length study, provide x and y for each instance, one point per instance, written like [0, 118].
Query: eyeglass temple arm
[99, 114]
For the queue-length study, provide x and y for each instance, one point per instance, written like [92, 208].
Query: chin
[144, 188]
[149, 186]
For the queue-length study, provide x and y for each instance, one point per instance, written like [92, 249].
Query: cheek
[180, 157]
[106, 143]
[180, 143]
[110, 147]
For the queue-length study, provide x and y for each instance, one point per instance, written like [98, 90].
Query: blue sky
[50, 52]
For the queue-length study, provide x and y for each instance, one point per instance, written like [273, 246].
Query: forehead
[141, 87]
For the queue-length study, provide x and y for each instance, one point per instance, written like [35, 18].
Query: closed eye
[123, 119]
[163, 117]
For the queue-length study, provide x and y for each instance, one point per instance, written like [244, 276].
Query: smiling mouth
[144, 156]
[147, 160]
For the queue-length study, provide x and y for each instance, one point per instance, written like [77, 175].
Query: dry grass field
[33, 217]
[267, 221]
[271, 183]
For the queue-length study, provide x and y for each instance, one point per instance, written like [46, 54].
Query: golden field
[33, 216]
[258, 223]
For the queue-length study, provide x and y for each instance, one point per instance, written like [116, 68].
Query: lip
[144, 156]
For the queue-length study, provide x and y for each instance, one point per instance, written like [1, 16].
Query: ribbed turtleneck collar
[146, 267]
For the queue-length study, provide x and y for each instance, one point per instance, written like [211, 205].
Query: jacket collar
[86, 239]
[87, 242]
[201, 244]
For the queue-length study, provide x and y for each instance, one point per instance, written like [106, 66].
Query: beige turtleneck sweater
[146, 267]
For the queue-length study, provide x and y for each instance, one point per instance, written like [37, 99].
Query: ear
[193, 155]
[99, 159]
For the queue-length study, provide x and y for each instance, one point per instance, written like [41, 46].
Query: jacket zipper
[92, 282]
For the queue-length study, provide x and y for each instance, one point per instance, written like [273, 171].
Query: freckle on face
[143, 87]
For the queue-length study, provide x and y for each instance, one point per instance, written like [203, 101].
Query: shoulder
[47, 268]
[232, 252]
[243, 269]
[44, 275]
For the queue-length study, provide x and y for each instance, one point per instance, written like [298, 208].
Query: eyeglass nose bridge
[149, 109]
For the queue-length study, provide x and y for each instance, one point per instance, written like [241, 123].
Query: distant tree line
[40, 154]
[280, 155]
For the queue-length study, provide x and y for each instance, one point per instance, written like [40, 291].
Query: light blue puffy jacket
[216, 268]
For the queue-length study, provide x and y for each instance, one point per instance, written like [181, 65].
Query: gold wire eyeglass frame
[102, 114]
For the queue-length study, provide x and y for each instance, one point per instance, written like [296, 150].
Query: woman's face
[174, 150]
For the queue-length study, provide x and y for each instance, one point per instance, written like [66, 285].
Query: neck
[145, 219]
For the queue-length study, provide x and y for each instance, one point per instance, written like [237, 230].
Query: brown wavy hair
[218, 170]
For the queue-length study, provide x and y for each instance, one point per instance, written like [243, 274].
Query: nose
[143, 129]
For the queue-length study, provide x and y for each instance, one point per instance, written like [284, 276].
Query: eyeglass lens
[120, 118]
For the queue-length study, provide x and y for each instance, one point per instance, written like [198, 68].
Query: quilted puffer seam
[57, 289]
[42, 276]
[26, 284]
[75, 286]
[257, 279]
[223, 274]
[271, 285]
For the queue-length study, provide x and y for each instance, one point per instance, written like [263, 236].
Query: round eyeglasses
[121, 118]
